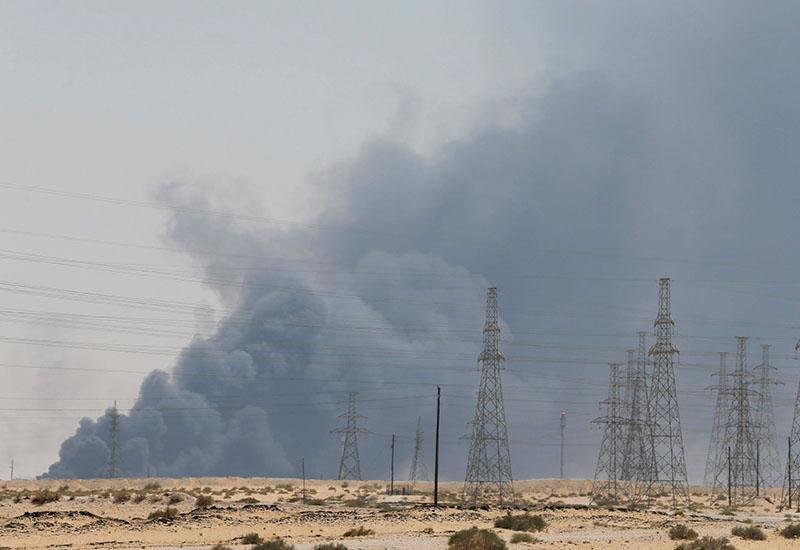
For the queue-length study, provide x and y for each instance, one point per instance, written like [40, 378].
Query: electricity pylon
[791, 487]
[716, 473]
[670, 462]
[639, 460]
[607, 485]
[350, 465]
[418, 470]
[626, 405]
[489, 461]
[741, 431]
[113, 428]
[769, 463]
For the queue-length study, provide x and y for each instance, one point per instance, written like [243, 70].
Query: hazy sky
[386, 163]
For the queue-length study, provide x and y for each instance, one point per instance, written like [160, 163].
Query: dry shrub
[204, 501]
[749, 533]
[166, 513]
[45, 496]
[360, 531]
[707, 543]
[520, 522]
[681, 532]
[475, 539]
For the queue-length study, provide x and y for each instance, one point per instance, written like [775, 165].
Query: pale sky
[503, 143]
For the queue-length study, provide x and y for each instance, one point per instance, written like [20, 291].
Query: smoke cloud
[605, 182]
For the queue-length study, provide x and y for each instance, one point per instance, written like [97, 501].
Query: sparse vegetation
[252, 538]
[707, 543]
[791, 531]
[428, 530]
[248, 500]
[331, 546]
[152, 486]
[43, 497]
[220, 546]
[681, 532]
[166, 513]
[121, 497]
[475, 539]
[274, 544]
[749, 533]
[520, 522]
[359, 531]
[204, 501]
[523, 537]
[175, 498]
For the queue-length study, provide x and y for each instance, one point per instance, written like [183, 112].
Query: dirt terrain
[96, 514]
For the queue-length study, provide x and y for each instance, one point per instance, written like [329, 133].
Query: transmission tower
[113, 428]
[626, 402]
[769, 464]
[790, 480]
[562, 425]
[716, 473]
[670, 462]
[639, 459]
[350, 466]
[607, 484]
[489, 461]
[418, 470]
[741, 431]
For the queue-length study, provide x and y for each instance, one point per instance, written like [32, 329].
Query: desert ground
[104, 513]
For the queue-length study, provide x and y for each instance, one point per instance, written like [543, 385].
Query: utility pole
[350, 465]
[667, 440]
[489, 461]
[789, 471]
[730, 501]
[114, 430]
[436, 464]
[391, 483]
[563, 425]
[303, 468]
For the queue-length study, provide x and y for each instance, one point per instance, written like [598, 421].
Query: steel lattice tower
[350, 465]
[716, 473]
[113, 428]
[639, 459]
[489, 461]
[670, 462]
[626, 406]
[418, 470]
[607, 483]
[741, 431]
[793, 463]
[769, 468]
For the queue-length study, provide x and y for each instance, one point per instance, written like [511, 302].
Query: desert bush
[204, 501]
[360, 531]
[791, 531]
[248, 500]
[139, 497]
[707, 543]
[166, 513]
[523, 537]
[681, 532]
[475, 539]
[152, 486]
[154, 498]
[175, 498]
[749, 533]
[274, 544]
[330, 546]
[252, 538]
[45, 496]
[520, 522]
[428, 530]
[122, 497]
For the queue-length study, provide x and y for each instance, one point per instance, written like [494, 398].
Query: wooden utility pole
[391, 485]
[436, 463]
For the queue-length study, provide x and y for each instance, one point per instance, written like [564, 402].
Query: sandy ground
[96, 514]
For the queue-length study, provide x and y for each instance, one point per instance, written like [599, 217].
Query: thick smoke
[603, 178]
